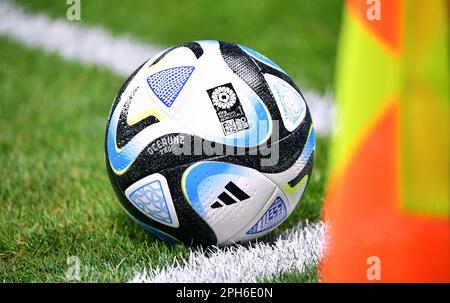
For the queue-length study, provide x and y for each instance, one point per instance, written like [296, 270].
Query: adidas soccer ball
[209, 142]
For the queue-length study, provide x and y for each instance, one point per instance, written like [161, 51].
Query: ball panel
[157, 232]
[261, 58]
[225, 195]
[152, 197]
[245, 68]
[192, 229]
[270, 216]
[168, 80]
[289, 101]
[289, 180]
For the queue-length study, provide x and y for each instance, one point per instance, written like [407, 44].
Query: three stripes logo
[227, 199]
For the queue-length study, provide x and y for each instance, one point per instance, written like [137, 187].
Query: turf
[308, 275]
[55, 198]
[300, 35]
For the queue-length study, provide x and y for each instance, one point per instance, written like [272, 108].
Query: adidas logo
[227, 199]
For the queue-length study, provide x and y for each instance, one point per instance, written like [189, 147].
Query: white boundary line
[294, 249]
[70, 40]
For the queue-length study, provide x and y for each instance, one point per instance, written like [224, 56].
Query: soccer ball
[209, 143]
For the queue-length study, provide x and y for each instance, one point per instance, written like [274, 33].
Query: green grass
[300, 35]
[55, 197]
[308, 275]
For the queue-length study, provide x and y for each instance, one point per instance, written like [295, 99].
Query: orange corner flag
[387, 203]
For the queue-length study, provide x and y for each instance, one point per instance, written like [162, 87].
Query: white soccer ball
[209, 142]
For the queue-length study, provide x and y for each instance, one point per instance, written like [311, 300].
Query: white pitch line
[295, 249]
[120, 54]
[70, 40]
